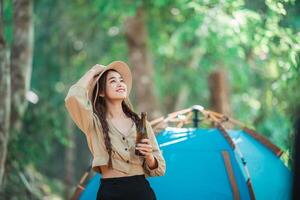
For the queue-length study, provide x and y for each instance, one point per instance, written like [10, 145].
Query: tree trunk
[142, 68]
[21, 59]
[5, 94]
[219, 91]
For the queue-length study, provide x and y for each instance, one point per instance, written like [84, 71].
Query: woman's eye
[122, 80]
[113, 81]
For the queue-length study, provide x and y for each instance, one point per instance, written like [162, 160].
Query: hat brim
[122, 68]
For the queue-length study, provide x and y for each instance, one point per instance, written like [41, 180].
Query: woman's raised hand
[88, 79]
[97, 69]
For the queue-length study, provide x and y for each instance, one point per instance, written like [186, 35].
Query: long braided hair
[101, 110]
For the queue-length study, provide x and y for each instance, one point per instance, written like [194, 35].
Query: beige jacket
[80, 109]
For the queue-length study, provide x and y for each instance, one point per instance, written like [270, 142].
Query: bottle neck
[144, 117]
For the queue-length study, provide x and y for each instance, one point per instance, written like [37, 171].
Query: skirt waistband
[123, 179]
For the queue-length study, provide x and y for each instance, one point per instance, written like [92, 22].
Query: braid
[101, 113]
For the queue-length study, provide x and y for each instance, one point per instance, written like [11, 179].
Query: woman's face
[115, 86]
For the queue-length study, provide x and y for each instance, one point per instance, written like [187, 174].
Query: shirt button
[127, 161]
[126, 149]
[123, 138]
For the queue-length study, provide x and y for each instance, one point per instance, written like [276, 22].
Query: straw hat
[123, 69]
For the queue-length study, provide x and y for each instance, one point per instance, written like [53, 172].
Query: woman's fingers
[96, 69]
[145, 153]
[144, 145]
[145, 140]
[146, 149]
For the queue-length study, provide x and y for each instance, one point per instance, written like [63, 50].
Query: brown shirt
[123, 146]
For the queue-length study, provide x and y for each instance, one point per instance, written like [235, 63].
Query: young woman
[99, 105]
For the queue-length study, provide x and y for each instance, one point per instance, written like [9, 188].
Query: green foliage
[7, 21]
[258, 44]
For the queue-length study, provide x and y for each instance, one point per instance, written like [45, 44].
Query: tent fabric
[196, 168]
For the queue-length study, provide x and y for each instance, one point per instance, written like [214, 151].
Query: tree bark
[13, 104]
[142, 67]
[21, 59]
[219, 91]
[5, 94]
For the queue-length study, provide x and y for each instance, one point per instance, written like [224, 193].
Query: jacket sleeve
[161, 168]
[79, 107]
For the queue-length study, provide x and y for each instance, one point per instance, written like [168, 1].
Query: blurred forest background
[238, 57]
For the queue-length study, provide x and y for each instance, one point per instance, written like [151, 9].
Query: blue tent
[207, 164]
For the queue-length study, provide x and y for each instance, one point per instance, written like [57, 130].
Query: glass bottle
[142, 133]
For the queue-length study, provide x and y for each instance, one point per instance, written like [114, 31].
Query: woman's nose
[119, 83]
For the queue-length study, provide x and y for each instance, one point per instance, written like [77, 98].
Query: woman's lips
[120, 90]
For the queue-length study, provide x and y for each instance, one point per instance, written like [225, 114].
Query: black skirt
[130, 187]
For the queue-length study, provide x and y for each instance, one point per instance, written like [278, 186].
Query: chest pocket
[134, 159]
[116, 155]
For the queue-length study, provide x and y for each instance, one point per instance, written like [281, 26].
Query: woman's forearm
[85, 80]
